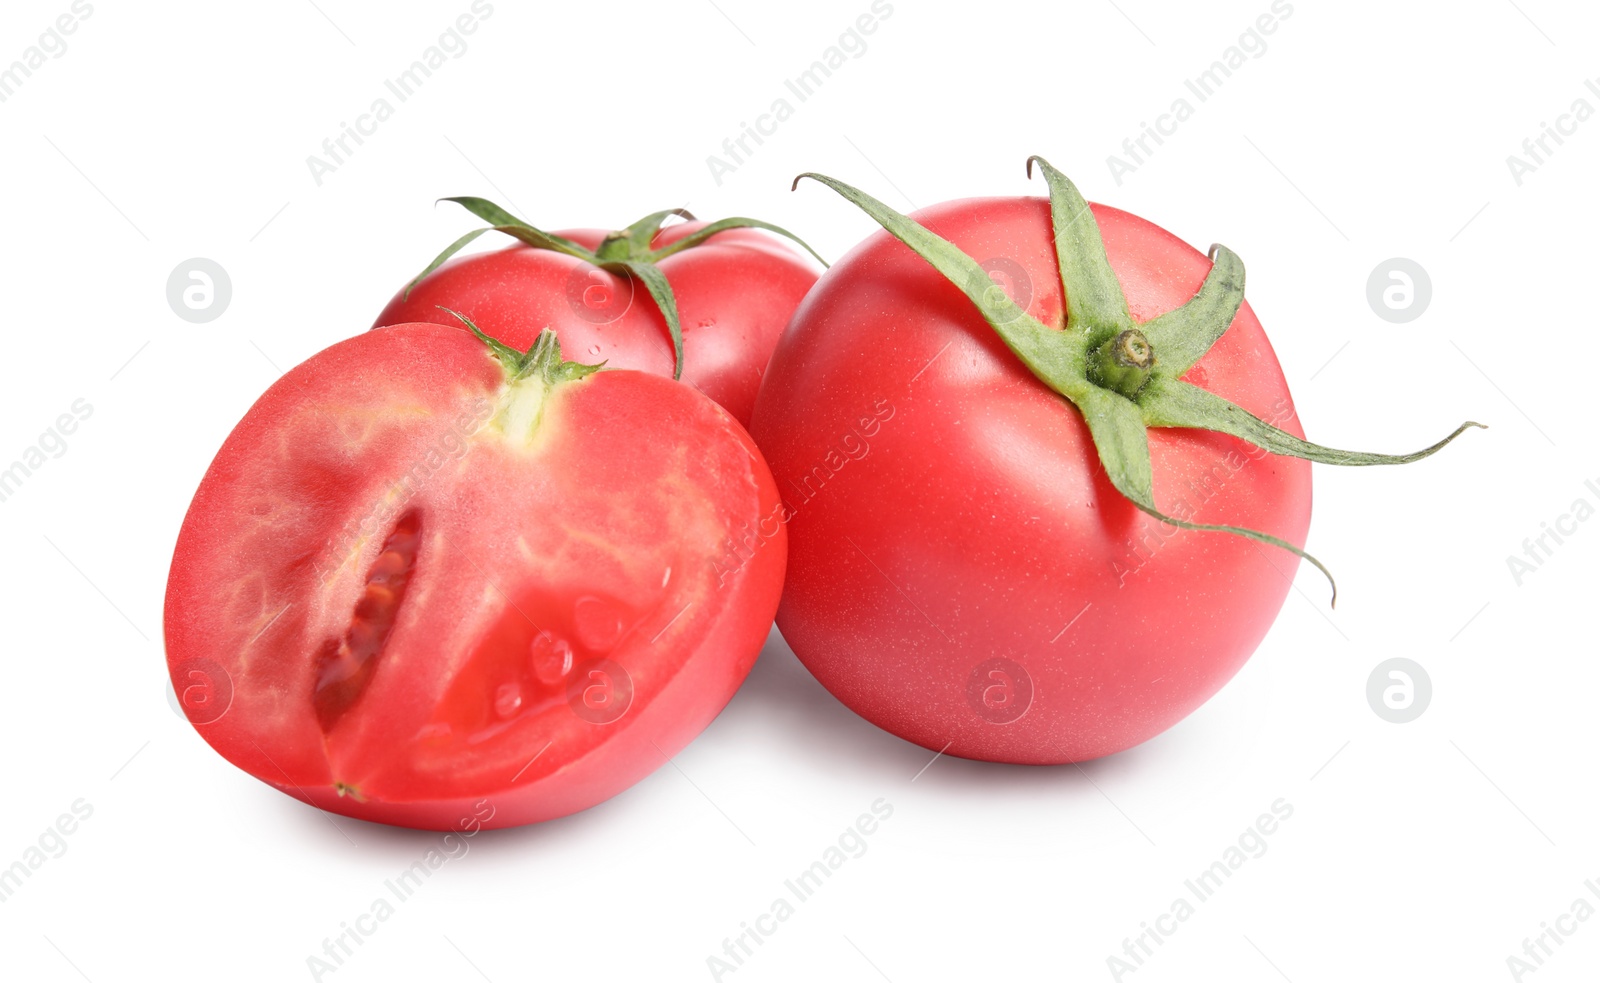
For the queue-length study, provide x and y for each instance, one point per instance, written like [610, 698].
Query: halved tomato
[430, 580]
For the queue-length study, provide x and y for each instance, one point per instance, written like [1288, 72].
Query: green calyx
[542, 362]
[627, 252]
[531, 377]
[1124, 377]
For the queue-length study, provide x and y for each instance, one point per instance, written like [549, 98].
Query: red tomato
[415, 589]
[735, 292]
[961, 571]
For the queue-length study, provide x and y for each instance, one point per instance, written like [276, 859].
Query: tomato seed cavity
[345, 666]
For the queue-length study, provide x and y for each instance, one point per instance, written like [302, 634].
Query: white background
[1365, 131]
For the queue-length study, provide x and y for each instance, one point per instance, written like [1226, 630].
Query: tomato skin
[735, 292]
[607, 530]
[971, 522]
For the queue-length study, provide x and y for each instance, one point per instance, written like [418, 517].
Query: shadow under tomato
[781, 694]
[378, 843]
[782, 706]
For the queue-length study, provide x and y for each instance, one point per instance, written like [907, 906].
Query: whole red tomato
[432, 581]
[624, 297]
[985, 554]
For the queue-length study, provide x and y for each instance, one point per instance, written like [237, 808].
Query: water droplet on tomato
[551, 658]
[507, 700]
[594, 349]
[599, 623]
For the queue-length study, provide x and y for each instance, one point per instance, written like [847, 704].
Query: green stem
[1123, 363]
[614, 248]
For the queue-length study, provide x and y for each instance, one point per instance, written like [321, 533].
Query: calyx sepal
[542, 361]
[627, 252]
[1124, 377]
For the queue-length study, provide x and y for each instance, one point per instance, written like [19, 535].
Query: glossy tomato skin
[961, 571]
[383, 482]
[735, 292]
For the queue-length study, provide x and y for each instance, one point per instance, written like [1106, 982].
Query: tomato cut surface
[429, 587]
